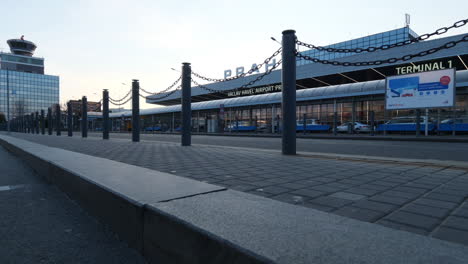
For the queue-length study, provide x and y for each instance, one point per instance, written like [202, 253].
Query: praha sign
[241, 70]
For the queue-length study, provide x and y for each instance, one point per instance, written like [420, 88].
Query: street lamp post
[8, 100]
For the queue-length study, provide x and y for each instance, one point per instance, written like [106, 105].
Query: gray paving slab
[331, 201]
[348, 196]
[415, 220]
[395, 200]
[445, 197]
[456, 222]
[436, 203]
[462, 212]
[375, 206]
[451, 234]
[427, 210]
[359, 213]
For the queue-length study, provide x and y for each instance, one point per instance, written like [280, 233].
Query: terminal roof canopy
[376, 87]
[315, 75]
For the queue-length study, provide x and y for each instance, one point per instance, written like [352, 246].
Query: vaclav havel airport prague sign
[420, 90]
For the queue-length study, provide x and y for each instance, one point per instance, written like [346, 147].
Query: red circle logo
[444, 80]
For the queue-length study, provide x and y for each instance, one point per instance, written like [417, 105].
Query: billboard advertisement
[420, 90]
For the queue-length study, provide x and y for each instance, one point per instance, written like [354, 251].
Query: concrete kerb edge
[322, 155]
[194, 237]
[79, 188]
[341, 137]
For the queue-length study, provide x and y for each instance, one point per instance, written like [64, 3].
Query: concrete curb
[171, 219]
[322, 155]
[432, 138]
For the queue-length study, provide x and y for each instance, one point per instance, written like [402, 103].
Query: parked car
[308, 122]
[238, 126]
[461, 120]
[454, 124]
[406, 124]
[358, 127]
[311, 125]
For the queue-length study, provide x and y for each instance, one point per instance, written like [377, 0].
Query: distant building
[77, 105]
[30, 90]
[118, 110]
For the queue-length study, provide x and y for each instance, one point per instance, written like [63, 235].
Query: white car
[309, 122]
[358, 127]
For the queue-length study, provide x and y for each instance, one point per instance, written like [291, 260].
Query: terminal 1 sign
[420, 90]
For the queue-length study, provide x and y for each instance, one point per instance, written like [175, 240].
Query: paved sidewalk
[374, 148]
[40, 224]
[421, 199]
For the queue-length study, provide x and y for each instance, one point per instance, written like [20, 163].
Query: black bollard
[42, 122]
[288, 76]
[37, 123]
[31, 123]
[49, 121]
[304, 126]
[105, 114]
[58, 121]
[335, 123]
[70, 119]
[84, 117]
[418, 122]
[186, 104]
[135, 111]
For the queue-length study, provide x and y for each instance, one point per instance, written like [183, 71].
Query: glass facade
[29, 92]
[21, 59]
[388, 37]
[267, 118]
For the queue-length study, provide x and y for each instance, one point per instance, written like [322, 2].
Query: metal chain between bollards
[447, 45]
[439, 31]
[121, 99]
[120, 104]
[163, 91]
[178, 88]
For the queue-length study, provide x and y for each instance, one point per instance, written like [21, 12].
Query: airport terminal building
[353, 92]
[21, 74]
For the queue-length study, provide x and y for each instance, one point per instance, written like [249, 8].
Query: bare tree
[19, 108]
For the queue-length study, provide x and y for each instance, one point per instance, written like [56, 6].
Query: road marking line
[10, 187]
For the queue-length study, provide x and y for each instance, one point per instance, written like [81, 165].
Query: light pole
[120, 97]
[8, 100]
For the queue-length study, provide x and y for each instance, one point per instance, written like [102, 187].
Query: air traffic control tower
[22, 47]
[21, 57]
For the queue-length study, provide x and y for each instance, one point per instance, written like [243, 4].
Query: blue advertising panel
[420, 90]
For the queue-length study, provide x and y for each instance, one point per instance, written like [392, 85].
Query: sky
[104, 44]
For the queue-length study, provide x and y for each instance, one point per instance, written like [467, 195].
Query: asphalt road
[39, 224]
[374, 148]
